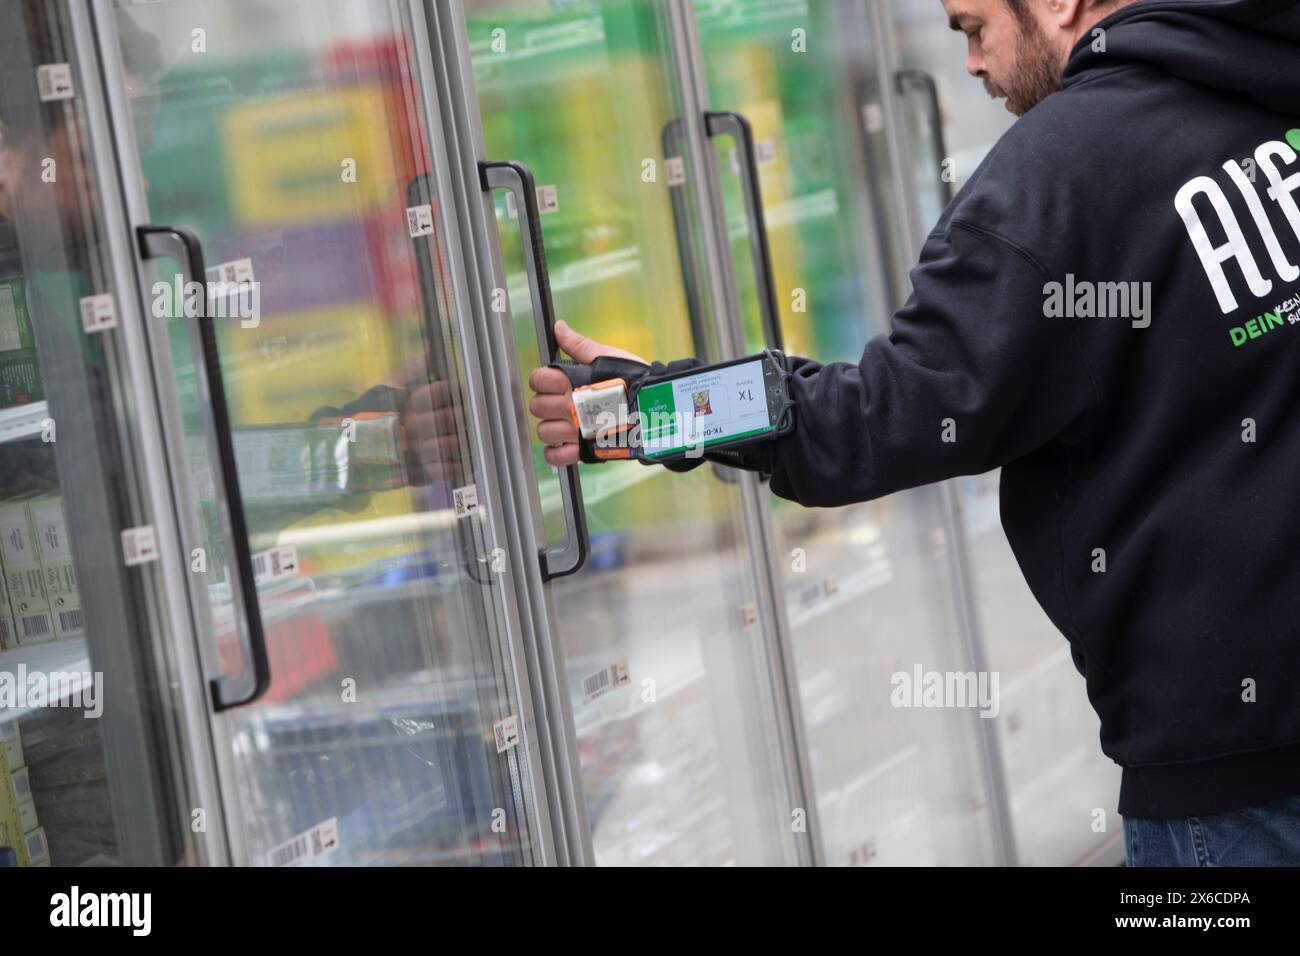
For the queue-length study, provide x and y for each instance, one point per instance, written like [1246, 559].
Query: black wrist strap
[602, 370]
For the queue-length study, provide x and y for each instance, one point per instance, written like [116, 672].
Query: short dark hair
[1021, 7]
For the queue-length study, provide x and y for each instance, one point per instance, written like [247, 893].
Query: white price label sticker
[465, 500]
[419, 220]
[54, 82]
[236, 272]
[139, 545]
[98, 313]
[275, 563]
[548, 200]
[605, 680]
[506, 733]
[306, 848]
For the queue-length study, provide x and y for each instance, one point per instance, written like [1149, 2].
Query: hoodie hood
[1244, 47]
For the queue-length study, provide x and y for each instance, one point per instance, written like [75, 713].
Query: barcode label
[98, 313]
[275, 564]
[38, 625]
[675, 170]
[605, 680]
[765, 151]
[74, 620]
[54, 82]
[595, 685]
[289, 853]
[465, 500]
[319, 841]
[139, 545]
[506, 733]
[419, 220]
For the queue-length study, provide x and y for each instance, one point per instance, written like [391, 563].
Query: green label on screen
[658, 407]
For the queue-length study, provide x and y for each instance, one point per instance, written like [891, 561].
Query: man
[1106, 310]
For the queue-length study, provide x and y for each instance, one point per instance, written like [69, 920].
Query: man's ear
[1066, 14]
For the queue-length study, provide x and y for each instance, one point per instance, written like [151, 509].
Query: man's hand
[551, 401]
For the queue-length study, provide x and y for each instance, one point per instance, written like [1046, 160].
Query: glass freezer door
[101, 762]
[663, 630]
[1057, 778]
[868, 588]
[340, 528]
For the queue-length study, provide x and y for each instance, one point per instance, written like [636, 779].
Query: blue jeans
[1267, 835]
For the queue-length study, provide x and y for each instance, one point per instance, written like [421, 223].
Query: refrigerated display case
[681, 752]
[867, 588]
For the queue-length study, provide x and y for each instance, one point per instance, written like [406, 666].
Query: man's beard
[1037, 74]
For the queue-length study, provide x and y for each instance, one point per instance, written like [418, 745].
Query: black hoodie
[1161, 445]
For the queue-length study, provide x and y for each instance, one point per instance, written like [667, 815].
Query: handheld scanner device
[600, 413]
[714, 407]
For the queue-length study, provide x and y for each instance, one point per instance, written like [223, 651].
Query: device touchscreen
[715, 406]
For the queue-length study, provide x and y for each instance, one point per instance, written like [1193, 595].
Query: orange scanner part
[594, 387]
